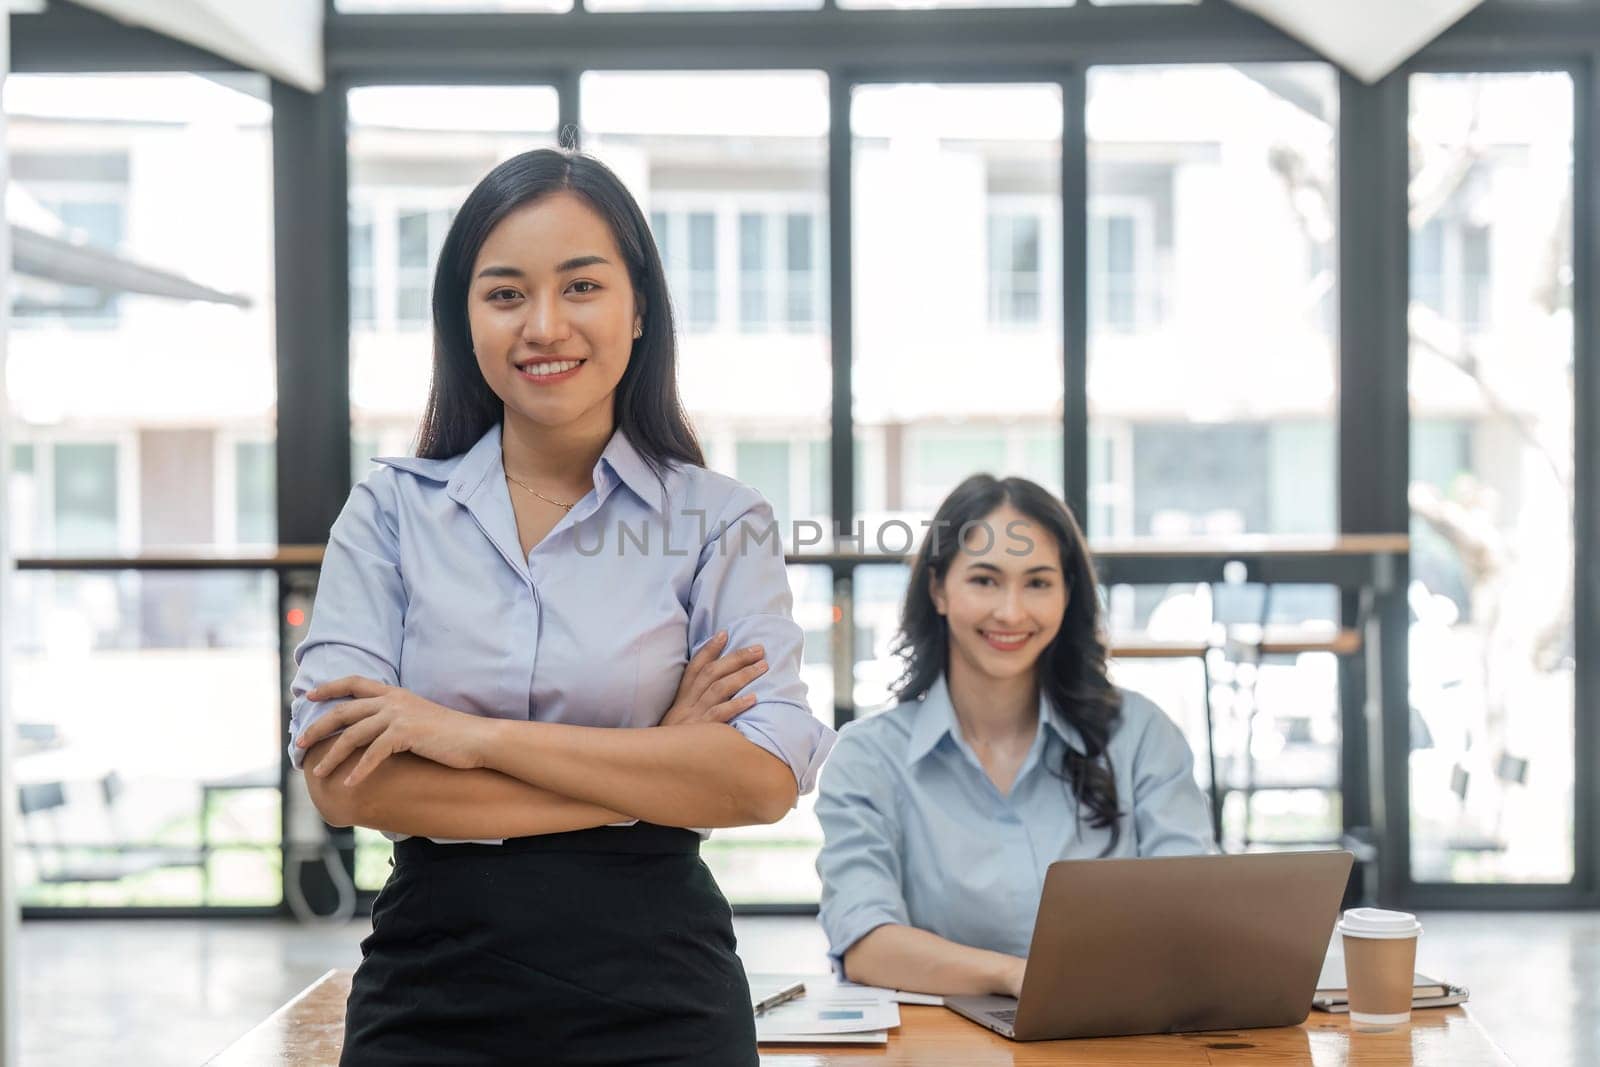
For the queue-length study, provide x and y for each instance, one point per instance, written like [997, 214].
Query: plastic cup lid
[1376, 922]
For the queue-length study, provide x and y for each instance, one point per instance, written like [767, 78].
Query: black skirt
[604, 946]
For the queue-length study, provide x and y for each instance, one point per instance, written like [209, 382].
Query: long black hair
[1072, 669]
[461, 407]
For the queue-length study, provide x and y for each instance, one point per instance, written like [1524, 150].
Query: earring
[638, 331]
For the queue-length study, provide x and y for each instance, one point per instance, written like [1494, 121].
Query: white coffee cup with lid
[1380, 953]
[1378, 923]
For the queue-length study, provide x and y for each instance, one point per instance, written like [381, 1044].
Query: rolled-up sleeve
[1169, 810]
[742, 585]
[358, 616]
[860, 863]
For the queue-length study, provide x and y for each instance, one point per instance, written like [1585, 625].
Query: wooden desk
[310, 1029]
[307, 1030]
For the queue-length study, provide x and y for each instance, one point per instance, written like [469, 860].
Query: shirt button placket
[536, 611]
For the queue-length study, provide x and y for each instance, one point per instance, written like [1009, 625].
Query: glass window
[85, 498]
[766, 463]
[142, 788]
[255, 492]
[1492, 456]
[23, 517]
[1324, 283]
[1450, 253]
[916, 5]
[92, 212]
[415, 153]
[1014, 273]
[818, 479]
[99, 221]
[777, 274]
[688, 243]
[731, 169]
[1041, 457]
[878, 592]
[752, 272]
[162, 184]
[363, 302]
[143, 210]
[411, 243]
[1122, 268]
[702, 270]
[419, 234]
[958, 364]
[365, 6]
[362, 448]
[922, 4]
[721, 161]
[1427, 265]
[701, 5]
[1475, 277]
[1276, 723]
[777, 863]
[1212, 352]
[801, 277]
[941, 459]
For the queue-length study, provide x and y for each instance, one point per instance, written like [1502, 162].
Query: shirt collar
[438, 470]
[619, 457]
[626, 464]
[1063, 729]
[476, 481]
[475, 465]
[493, 510]
[936, 719]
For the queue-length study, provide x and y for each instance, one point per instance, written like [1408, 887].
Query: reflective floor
[157, 993]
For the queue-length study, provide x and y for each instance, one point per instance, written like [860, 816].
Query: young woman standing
[502, 623]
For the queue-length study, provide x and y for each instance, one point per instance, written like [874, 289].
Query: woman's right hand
[1011, 978]
[710, 680]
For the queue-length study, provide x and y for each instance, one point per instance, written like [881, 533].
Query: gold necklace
[541, 496]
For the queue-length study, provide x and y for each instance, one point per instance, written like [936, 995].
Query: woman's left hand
[387, 719]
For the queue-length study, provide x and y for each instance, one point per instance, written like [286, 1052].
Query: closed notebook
[1333, 995]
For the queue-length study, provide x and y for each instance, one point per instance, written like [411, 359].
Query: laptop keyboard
[1009, 1015]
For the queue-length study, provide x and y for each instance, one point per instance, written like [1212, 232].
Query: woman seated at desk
[1009, 749]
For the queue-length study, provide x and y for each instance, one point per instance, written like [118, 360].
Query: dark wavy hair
[1072, 669]
[461, 407]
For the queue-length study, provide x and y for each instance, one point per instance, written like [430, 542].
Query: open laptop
[1172, 944]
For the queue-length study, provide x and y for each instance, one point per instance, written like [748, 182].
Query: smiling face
[552, 312]
[1003, 597]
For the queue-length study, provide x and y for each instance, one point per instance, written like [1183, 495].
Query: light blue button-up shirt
[424, 585]
[916, 833]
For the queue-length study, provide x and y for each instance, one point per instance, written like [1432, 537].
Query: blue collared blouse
[424, 585]
[916, 833]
